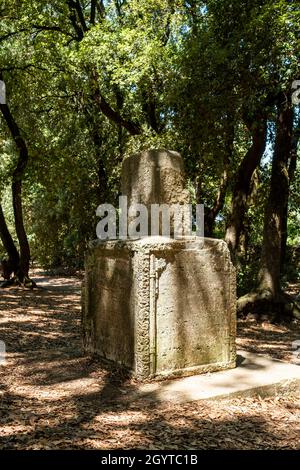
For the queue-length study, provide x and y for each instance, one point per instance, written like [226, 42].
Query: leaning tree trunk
[242, 186]
[18, 174]
[23, 271]
[13, 262]
[268, 295]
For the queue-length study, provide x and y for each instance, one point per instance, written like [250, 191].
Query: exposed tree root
[263, 302]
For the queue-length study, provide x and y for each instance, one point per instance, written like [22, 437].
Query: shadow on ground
[53, 397]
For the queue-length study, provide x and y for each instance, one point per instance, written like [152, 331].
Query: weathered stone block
[161, 306]
[154, 177]
[157, 177]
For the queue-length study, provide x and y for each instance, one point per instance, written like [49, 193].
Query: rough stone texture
[155, 177]
[161, 306]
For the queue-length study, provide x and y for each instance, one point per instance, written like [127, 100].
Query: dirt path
[52, 397]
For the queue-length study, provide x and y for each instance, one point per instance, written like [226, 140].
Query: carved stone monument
[157, 305]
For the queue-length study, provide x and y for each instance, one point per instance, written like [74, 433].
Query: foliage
[89, 82]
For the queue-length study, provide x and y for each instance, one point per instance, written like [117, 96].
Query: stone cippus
[158, 305]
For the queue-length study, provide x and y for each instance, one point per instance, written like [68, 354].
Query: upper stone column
[154, 177]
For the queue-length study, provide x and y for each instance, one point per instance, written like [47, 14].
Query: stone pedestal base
[161, 306]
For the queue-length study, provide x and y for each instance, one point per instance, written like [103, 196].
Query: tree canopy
[88, 82]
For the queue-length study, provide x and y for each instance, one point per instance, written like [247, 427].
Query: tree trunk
[17, 177]
[269, 274]
[9, 245]
[23, 271]
[291, 174]
[242, 186]
[213, 212]
[268, 296]
[102, 187]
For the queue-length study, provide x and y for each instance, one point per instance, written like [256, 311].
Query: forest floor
[53, 397]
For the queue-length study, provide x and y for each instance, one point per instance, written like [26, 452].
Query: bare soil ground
[53, 397]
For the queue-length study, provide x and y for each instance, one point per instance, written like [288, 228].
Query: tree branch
[12, 33]
[113, 115]
[73, 19]
[97, 97]
[23, 68]
[75, 6]
[52, 28]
